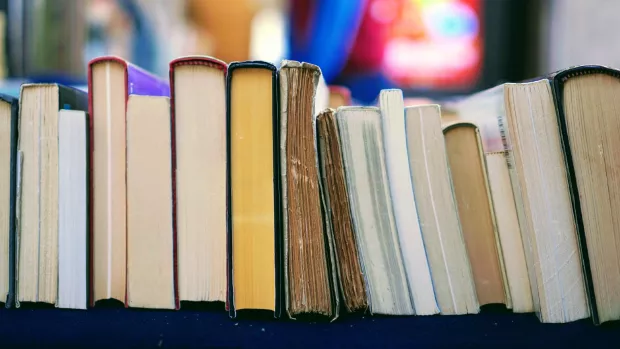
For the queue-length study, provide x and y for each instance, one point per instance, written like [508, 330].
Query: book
[72, 209]
[403, 202]
[40, 107]
[439, 219]
[308, 254]
[586, 106]
[473, 198]
[382, 262]
[8, 175]
[151, 281]
[254, 241]
[339, 96]
[506, 204]
[111, 80]
[338, 213]
[198, 100]
[519, 121]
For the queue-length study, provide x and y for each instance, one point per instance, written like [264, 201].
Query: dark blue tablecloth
[130, 328]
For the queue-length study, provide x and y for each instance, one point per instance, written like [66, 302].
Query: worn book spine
[10, 300]
[558, 80]
[137, 82]
[348, 278]
[279, 287]
[317, 99]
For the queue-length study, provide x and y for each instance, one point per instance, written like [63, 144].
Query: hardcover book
[111, 81]
[8, 176]
[198, 106]
[254, 242]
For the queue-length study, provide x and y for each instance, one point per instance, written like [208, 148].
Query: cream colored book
[150, 266]
[403, 202]
[199, 102]
[452, 277]
[72, 209]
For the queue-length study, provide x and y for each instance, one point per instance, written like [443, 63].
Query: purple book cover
[141, 82]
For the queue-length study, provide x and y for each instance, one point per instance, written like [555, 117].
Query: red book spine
[91, 205]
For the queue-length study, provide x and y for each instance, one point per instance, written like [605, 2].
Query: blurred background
[428, 48]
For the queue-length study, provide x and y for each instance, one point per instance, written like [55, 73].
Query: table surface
[195, 328]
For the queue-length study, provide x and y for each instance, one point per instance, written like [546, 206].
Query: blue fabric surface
[130, 328]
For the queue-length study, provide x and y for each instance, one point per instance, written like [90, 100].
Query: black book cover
[558, 80]
[279, 287]
[10, 300]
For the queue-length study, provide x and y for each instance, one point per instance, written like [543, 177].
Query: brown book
[338, 213]
[472, 194]
[307, 255]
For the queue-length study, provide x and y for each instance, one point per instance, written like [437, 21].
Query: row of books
[235, 183]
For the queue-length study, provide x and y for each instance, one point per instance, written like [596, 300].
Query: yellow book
[253, 206]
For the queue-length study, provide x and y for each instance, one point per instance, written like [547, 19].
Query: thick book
[38, 213]
[338, 218]
[111, 82]
[254, 240]
[588, 111]
[8, 176]
[441, 228]
[198, 107]
[372, 211]
[309, 276]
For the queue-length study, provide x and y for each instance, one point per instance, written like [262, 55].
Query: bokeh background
[429, 48]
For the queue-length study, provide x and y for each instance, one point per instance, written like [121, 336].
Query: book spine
[175, 255]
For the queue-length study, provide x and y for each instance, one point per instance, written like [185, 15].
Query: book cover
[137, 82]
[10, 299]
[230, 305]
